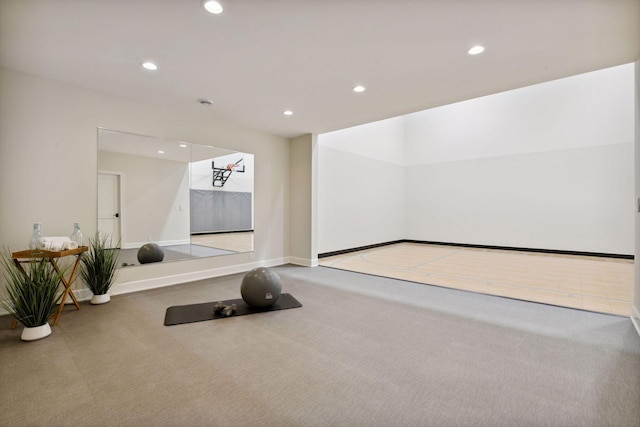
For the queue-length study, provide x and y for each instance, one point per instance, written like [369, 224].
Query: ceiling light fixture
[359, 89]
[288, 113]
[476, 50]
[160, 152]
[148, 65]
[183, 145]
[212, 6]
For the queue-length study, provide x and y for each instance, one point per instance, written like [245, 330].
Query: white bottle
[76, 236]
[36, 241]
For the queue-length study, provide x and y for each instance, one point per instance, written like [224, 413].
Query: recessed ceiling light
[288, 113]
[359, 89]
[212, 6]
[205, 102]
[160, 152]
[183, 145]
[476, 50]
[149, 66]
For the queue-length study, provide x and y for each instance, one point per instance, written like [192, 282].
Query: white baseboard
[635, 319]
[83, 294]
[160, 282]
[305, 262]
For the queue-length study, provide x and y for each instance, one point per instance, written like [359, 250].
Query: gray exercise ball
[150, 252]
[261, 287]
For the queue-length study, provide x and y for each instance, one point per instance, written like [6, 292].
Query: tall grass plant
[31, 296]
[99, 265]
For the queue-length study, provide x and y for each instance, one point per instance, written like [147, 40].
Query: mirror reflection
[187, 200]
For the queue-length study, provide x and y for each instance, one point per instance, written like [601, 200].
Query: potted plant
[31, 294]
[98, 267]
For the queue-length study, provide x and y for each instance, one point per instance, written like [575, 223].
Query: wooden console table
[22, 257]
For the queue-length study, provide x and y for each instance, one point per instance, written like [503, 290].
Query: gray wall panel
[215, 211]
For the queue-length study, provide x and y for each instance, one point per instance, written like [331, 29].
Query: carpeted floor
[362, 351]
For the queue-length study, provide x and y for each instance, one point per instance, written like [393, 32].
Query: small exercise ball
[261, 287]
[150, 252]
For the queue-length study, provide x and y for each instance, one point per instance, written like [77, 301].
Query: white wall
[578, 199]
[548, 166]
[361, 186]
[48, 165]
[155, 195]
[585, 110]
[636, 293]
[303, 205]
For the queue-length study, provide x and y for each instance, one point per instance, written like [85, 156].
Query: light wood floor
[237, 242]
[590, 283]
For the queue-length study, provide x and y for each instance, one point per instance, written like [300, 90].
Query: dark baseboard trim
[468, 245]
[220, 232]
[360, 248]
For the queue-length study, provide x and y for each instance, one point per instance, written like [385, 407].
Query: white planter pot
[36, 333]
[100, 299]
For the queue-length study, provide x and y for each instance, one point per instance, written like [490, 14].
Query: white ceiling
[261, 57]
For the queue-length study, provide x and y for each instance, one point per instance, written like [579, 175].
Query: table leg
[67, 282]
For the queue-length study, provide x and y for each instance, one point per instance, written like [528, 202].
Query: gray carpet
[362, 351]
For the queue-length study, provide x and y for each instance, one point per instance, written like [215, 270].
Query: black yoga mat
[178, 314]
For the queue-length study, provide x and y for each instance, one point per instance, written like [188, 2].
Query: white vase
[100, 299]
[36, 332]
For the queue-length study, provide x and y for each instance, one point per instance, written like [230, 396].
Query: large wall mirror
[191, 200]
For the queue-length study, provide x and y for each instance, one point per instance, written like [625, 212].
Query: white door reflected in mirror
[109, 207]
